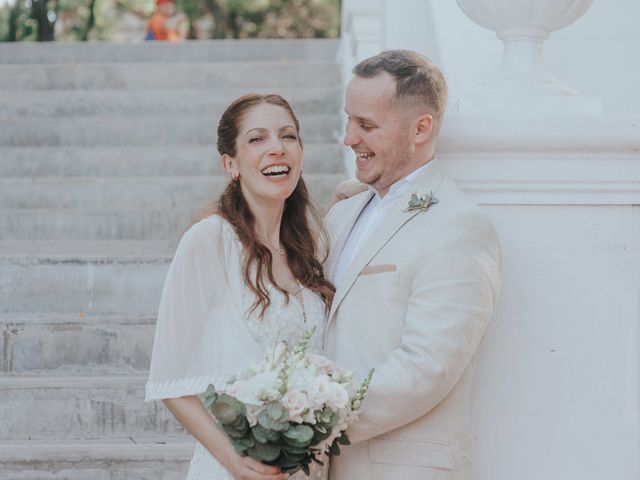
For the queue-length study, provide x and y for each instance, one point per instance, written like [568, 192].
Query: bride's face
[268, 154]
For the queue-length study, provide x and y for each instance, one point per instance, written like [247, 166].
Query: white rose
[257, 389]
[300, 379]
[322, 364]
[319, 391]
[296, 402]
[267, 384]
[245, 392]
[338, 398]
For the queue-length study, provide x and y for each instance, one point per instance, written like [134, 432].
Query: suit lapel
[430, 181]
[341, 232]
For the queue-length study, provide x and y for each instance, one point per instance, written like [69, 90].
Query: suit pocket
[416, 453]
[373, 269]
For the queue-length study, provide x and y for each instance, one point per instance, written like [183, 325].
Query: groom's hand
[346, 189]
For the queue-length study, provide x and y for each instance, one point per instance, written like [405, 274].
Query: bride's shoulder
[212, 235]
[211, 228]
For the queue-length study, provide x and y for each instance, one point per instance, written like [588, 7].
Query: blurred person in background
[165, 24]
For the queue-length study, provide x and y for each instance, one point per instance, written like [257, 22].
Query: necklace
[279, 250]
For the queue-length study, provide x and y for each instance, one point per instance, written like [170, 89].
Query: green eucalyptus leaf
[334, 449]
[343, 439]
[209, 397]
[276, 411]
[234, 433]
[264, 452]
[270, 424]
[295, 457]
[264, 435]
[299, 433]
[290, 449]
[243, 444]
[320, 436]
[227, 409]
[241, 423]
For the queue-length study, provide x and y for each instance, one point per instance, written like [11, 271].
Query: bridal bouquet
[289, 409]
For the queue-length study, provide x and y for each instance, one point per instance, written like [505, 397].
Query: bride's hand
[246, 468]
[190, 412]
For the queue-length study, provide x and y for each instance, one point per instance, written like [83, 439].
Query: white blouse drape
[200, 336]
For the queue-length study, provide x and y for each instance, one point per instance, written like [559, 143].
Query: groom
[417, 279]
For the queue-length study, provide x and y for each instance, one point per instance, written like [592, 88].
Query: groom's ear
[423, 128]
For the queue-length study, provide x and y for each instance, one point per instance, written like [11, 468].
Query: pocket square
[371, 269]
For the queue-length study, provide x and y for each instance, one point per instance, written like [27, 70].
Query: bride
[241, 279]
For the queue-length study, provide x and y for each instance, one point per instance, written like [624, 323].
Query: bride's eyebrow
[257, 130]
[260, 129]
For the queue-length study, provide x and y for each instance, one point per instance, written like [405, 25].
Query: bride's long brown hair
[299, 214]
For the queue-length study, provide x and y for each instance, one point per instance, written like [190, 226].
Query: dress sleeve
[194, 290]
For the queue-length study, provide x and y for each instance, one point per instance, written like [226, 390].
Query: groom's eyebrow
[359, 118]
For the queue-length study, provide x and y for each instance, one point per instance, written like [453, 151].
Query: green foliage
[265, 452]
[273, 440]
[233, 18]
[422, 203]
[228, 410]
[298, 435]
[274, 417]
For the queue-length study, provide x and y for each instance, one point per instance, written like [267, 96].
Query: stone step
[195, 51]
[209, 103]
[146, 161]
[142, 130]
[115, 284]
[122, 193]
[119, 193]
[276, 74]
[75, 344]
[77, 407]
[130, 458]
[69, 225]
[88, 247]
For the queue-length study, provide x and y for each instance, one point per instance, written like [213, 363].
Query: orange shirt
[159, 31]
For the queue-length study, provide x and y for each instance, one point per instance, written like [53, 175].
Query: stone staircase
[106, 151]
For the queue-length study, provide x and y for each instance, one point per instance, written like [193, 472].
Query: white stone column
[361, 37]
[523, 84]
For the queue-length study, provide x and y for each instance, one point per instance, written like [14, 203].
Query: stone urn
[523, 26]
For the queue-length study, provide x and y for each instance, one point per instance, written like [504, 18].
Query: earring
[235, 176]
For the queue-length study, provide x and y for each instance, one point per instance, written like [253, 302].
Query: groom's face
[377, 131]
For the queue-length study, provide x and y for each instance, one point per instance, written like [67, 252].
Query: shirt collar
[402, 185]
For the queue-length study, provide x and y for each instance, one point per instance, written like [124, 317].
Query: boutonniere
[422, 203]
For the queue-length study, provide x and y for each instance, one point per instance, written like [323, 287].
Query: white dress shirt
[371, 216]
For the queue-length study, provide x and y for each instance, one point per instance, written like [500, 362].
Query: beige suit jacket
[414, 305]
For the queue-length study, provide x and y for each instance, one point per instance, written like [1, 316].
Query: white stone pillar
[523, 85]
[361, 37]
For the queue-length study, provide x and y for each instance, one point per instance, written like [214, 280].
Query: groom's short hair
[418, 80]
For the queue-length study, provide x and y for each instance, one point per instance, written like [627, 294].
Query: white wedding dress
[282, 321]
